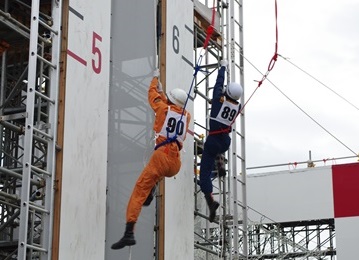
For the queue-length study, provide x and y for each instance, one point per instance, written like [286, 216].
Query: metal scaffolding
[28, 118]
[227, 239]
[233, 235]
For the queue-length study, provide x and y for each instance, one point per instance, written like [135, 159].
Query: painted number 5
[96, 51]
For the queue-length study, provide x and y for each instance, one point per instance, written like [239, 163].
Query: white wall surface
[83, 201]
[283, 196]
[179, 220]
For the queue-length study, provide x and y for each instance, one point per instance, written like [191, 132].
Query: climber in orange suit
[170, 126]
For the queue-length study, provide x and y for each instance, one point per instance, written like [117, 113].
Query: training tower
[53, 113]
[76, 131]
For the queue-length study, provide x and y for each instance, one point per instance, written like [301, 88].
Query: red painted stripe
[76, 57]
[346, 190]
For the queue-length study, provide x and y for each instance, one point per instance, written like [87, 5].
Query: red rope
[275, 56]
[270, 65]
[210, 28]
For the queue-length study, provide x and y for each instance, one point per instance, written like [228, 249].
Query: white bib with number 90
[174, 124]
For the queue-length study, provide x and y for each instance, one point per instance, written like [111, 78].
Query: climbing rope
[264, 77]
[210, 30]
[130, 253]
[273, 59]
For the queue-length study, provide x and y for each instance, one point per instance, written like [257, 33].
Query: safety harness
[169, 140]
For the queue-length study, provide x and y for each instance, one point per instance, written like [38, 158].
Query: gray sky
[322, 38]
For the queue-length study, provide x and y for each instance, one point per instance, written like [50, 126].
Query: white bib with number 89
[227, 114]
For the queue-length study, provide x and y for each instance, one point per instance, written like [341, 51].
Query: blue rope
[196, 69]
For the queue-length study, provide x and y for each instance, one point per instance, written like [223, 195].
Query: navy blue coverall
[219, 141]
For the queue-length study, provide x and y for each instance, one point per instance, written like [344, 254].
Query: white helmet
[234, 90]
[177, 96]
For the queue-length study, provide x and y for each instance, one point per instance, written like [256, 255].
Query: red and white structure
[329, 192]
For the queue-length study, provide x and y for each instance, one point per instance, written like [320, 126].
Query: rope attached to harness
[197, 68]
[169, 140]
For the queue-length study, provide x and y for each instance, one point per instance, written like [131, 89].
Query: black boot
[150, 197]
[128, 238]
[212, 206]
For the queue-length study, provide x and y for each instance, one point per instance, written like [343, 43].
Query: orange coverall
[164, 162]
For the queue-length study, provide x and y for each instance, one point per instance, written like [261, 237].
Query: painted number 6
[96, 51]
[175, 42]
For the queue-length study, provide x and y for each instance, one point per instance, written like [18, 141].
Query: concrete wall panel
[131, 138]
[179, 208]
[83, 202]
[291, 195]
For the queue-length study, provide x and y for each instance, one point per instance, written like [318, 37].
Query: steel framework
[234, 236]
[28, 117]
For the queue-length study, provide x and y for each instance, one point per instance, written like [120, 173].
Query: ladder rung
[39, 139]
[46, 61]
[48, 27]
[37, 248]
[36, 169]
[238, 203]
[42, 133]
[44, 97]
[37, 208]
[44, 114]
[45, 77]
[203, 95]
[240, 181]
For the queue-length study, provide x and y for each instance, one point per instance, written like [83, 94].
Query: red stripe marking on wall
[346, 190]
[76, 57]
